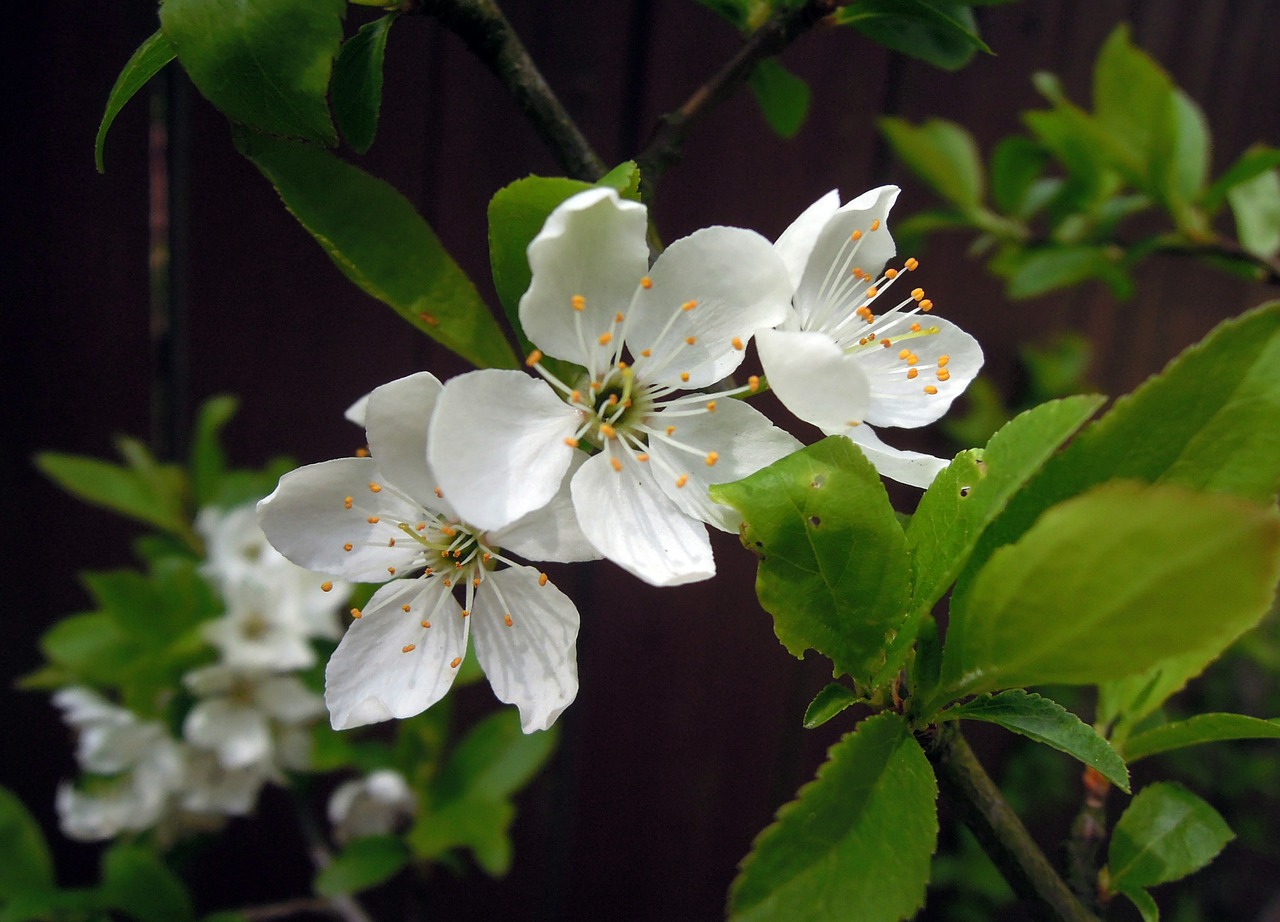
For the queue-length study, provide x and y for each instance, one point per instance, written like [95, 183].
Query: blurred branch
[979, 804]
[303, 905]
[344, 907]
[1268, 269]
[489, 36]
[1088, 834]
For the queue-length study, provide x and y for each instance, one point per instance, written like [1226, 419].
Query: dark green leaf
[1165, 834]
[1202, 728]
[136, 881]
[1016, 163]
[834, 571]
[364, 863]
[1256, 160]
[25, 865]
[1145, 905]
[1256, 206]
[856, 842]
[150, 58]
[374, 235]
[1048, 722]
[1049, 268]
[941, 153]
[782, 96]
[208, 460]
[1097, 588]
[357, 82]
[264, 63]
[943, 33]
[829, 702]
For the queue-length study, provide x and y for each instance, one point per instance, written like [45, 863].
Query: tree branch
[980, 805]
[489, 36]
[665, 145]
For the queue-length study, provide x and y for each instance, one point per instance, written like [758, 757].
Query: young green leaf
[834, 571]
[1197, 730]
[1048, 722]
[264, 63]
[113, 487]
[208, 461]
[1016, 163]
[495, 759]
[1256, 206]
[1165, 834]
[1256, 160]
[941, 153]
[365, 863]
[1049, 268]
[782, 96]
[1145, 905]
[25, 865]
[942, 32]
[357, 82]
[150, 58]
[136, 881]
[856, 841]
[1133, 101]
[1108, 584]
[1187, 161]
[478, 824]
[374, 235]
[92, 646]
[829, 702]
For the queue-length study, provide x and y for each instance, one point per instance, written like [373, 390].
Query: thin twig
[269, 912]
[489, 36]
[980, 806]
[345, 907]
[1088, 833]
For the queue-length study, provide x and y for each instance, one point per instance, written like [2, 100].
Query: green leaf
[495, 759]
[782, 96]
[1048, 722]
[1016, 163]
[1256, 160]
[834, 569]
[150, 58]
[1050, 268]
[938, 31]
[1194, 731]
[856, 842]
[1145, 905]
[829, 702]
[625, 177]
[136, 881]
[364, 863]
[1165, 834]
[1256, 206]
[477, 824]
[25, 865]
[208, 461]
[1101, 587]
[1133, 100]
[941, 153]
[374, 235]
[1188, 158]
[111, 486]
[264, 63]
[91, 645]
[966, 497]
[357, 82]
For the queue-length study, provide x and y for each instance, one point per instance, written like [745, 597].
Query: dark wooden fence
[685, 736]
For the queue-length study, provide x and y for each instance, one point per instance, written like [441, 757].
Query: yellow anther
[405, 609]
[671, 431]
[373, 520]
[917, 293]
[688, 305]
[391, 543]
[506, 619]
[886, 343]
[871, 337]
[575, 396]
[915, 328]
[616, 464]
[375, 488]
[905, 353]
[326, 586]
[856, 235]
[448, 531]
[448, 583]
[618, 317]
[913, 359]
[347, 546]
[872, 292]
[486, 557]
[542, 579]
[684, 376]
[712, 458]
[465, 613]
[391, 570]
[926, 305]
[425, 623]
[863, 341]
[891, 273]
[736, 343]
[944, 375]
[622, 366]
[690, 340]
[408, 648]
[362, 452]
[596, 385]
[875, 225]
[930, 389]
[421, 526]
[534, 358]
[579, 303]
[943, 360]
[613, 400]
[347, 502]
[682, 480]
[457, 661]
[357, 613]
[605, 339]
[439, 493]
[571, 442]
[646, 282]
[642, 457]
[646, 352]
[753, 382]
[912, 372]
[911, 264]
[608, 431]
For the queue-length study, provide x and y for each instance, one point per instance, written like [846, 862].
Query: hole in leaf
[819, 481]
[815, 521]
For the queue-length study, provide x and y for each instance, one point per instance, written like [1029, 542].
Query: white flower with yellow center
[848, 357]
[651, 341]
[385, 518]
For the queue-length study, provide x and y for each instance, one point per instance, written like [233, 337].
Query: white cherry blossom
[385, 518]
[843, 362]
[374, 805]
[650, 341]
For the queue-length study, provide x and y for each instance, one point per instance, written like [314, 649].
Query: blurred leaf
[264, 63]
[92, 646]
[625, 177]
[1256, 206]
[1133, 101]
[1145, 905]
[364, 863]
[25, 865]
[1188, 162]
[1256, 160]
[1194, 731]
[1046, 609]
[856, 841]
[150, 58]
[1016, 163]
[1047, 269]
[941, 153]
[374, 235]
[833, 569]
[782, 96]
[136, 881]
[1045, 721]
[943, 33]
[357, 82]
[1165, 834]
[495, 759]
[1057, 367]
[110, 486]
[829, 702]
[982, 411]
[208, 460]
[477, 824]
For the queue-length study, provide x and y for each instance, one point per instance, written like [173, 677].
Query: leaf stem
[1088, 832]
[488, 34]
[980, 806]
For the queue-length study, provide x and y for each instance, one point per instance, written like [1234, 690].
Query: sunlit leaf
[1197, 730]
[1165, 834]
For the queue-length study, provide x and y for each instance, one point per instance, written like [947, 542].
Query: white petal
[552, 532]
[497, 445]
[740, 285]
[897, 400]
[592, 245]
[910, 467]
[796, 243]
[306, 518]
[370, 678]
[287, 700]
[355, 412]
[834, 255]
[396, 423]
[530, 663]
[744, 441]
[237, 733]
[630, 521]
[814, 379]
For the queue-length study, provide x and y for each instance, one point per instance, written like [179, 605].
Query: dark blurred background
[686, 734]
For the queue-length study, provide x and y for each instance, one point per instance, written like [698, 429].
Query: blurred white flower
[377, 804]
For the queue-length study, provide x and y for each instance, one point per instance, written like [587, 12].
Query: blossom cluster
[613, 459]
